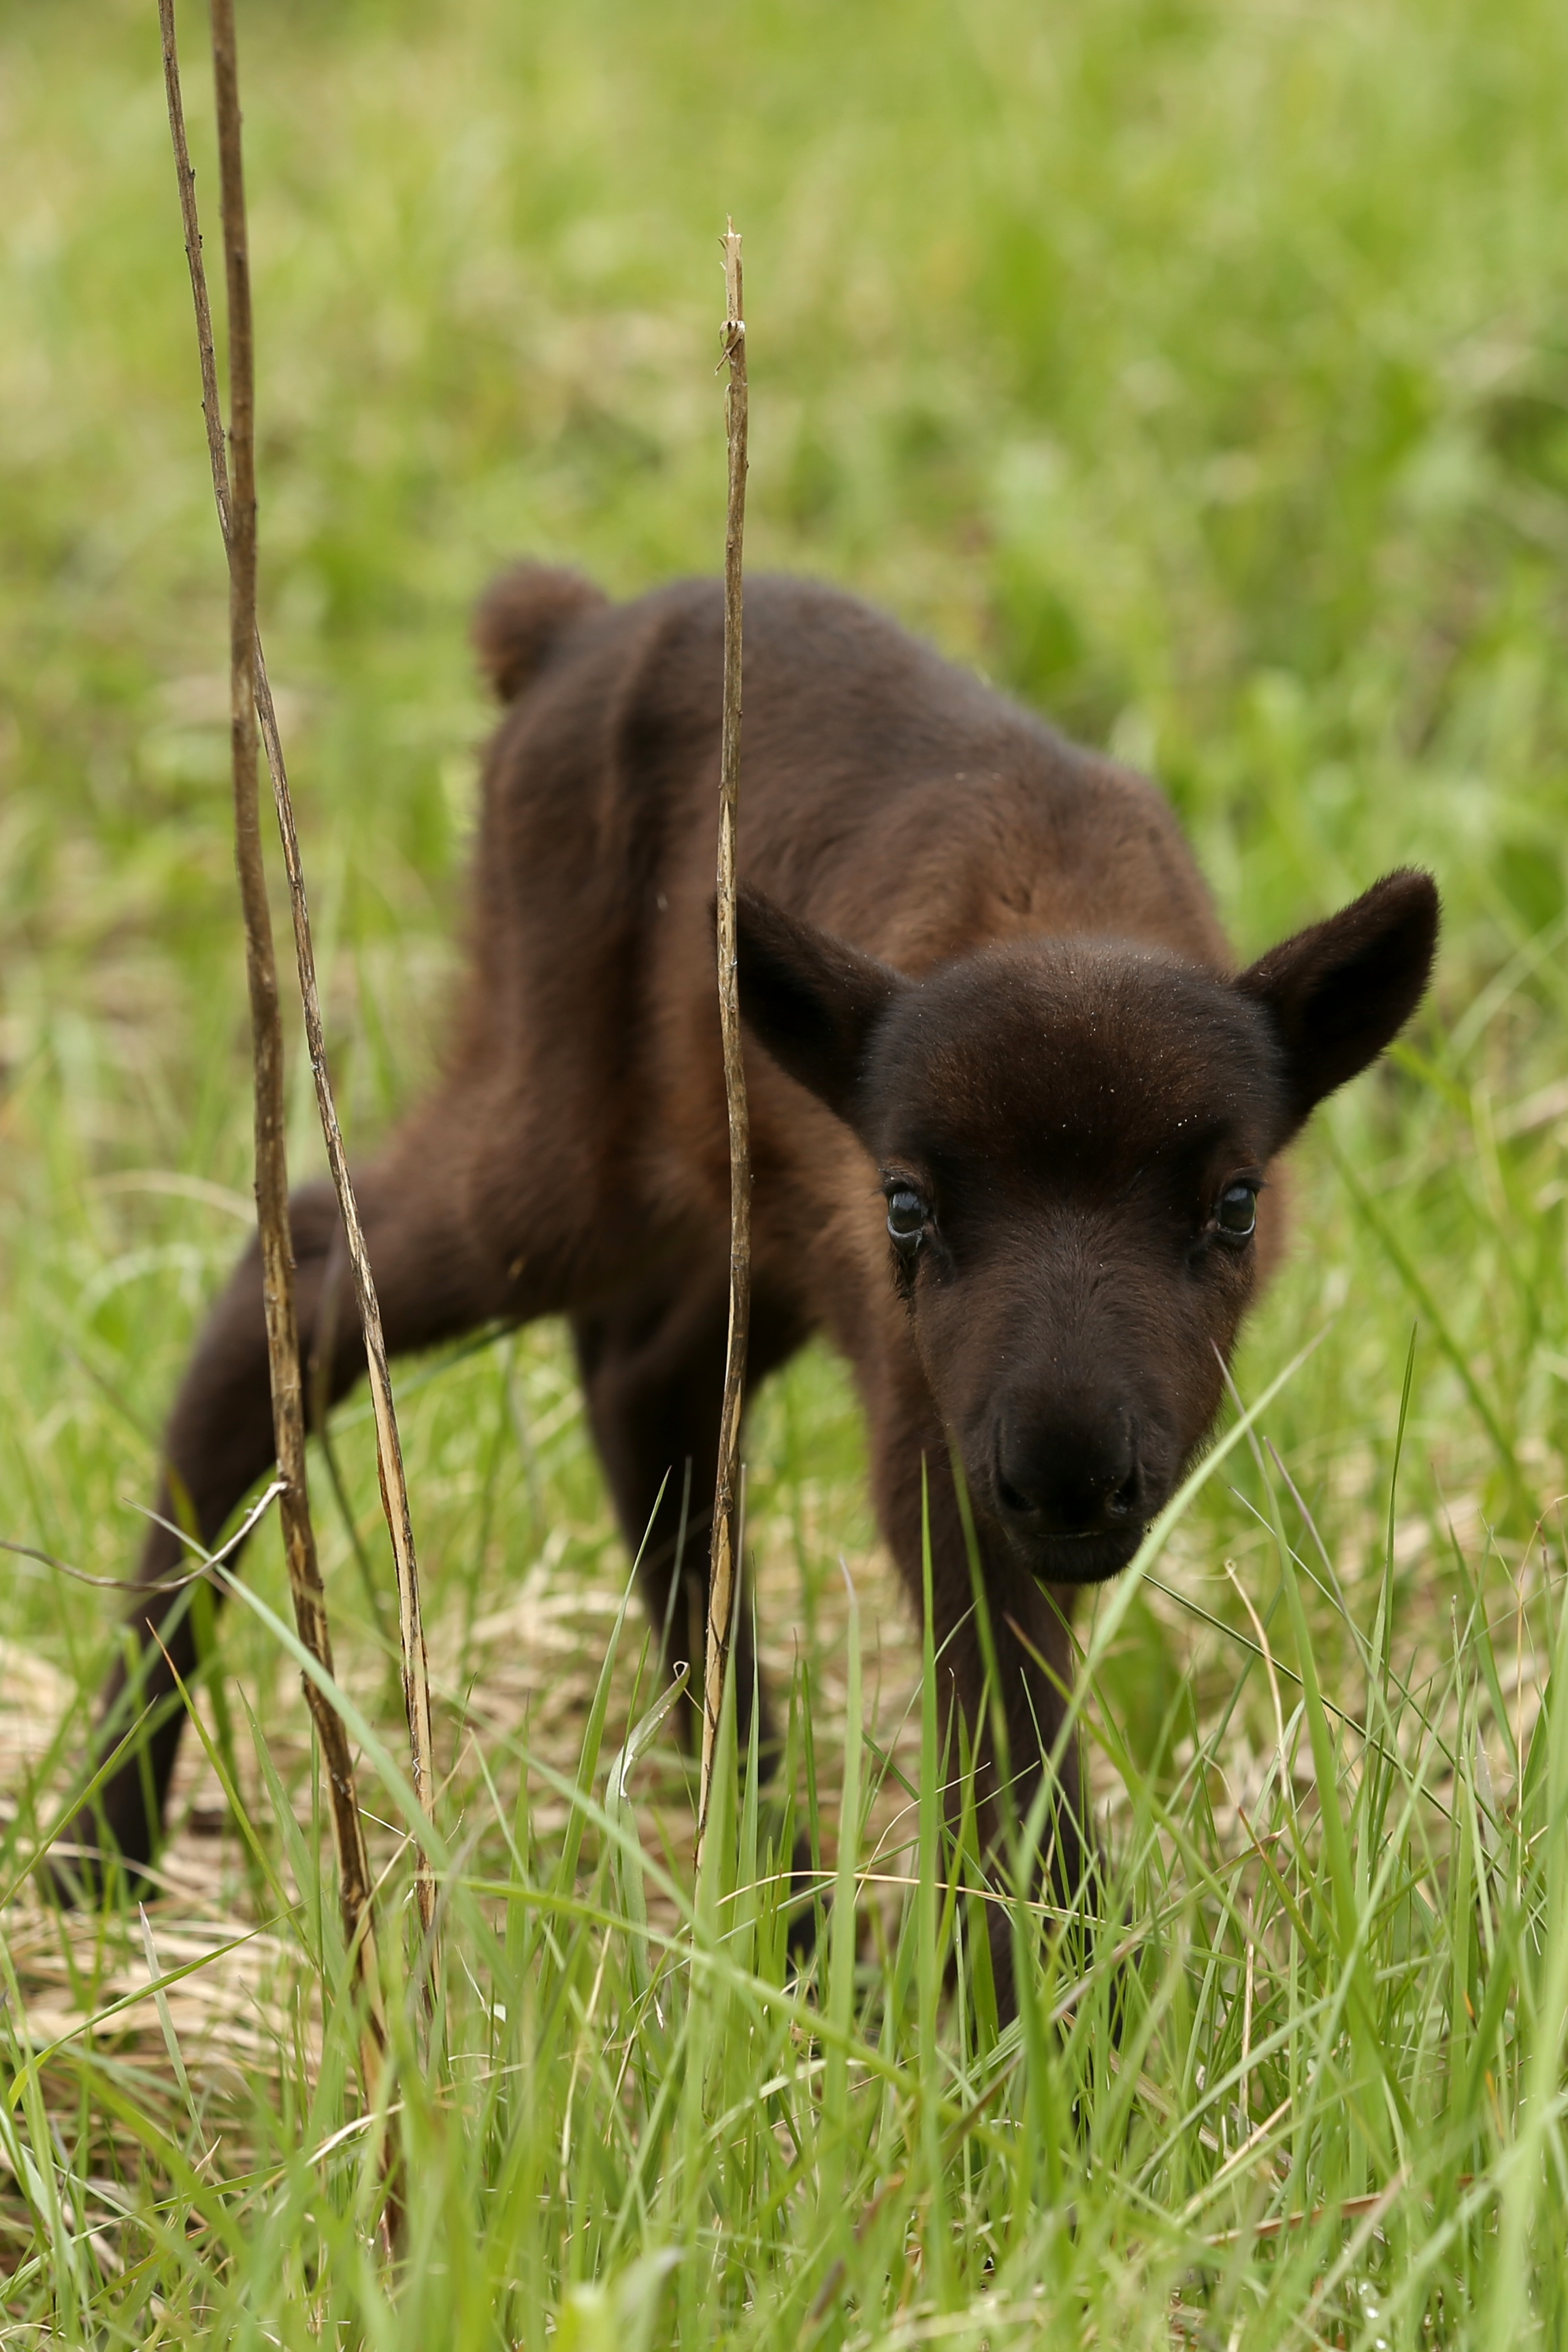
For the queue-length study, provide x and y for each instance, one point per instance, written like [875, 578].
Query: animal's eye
[906, 1217]
[1237, 1212]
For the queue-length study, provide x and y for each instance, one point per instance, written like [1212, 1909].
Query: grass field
[1201, 373]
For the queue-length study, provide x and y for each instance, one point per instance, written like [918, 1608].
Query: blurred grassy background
[1198, 370]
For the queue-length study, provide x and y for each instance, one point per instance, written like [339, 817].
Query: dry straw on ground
[247, 2010]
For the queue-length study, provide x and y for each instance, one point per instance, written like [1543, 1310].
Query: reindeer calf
[1013, 1117]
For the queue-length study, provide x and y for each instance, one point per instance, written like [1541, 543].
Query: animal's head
[1071, 1137]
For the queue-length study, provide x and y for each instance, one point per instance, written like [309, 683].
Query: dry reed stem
[261, 972]
[389, 1449]
[726, 1540]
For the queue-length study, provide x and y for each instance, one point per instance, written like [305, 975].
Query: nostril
[1122, 1504]
[1010, 1497]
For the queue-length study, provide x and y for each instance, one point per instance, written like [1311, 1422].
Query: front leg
[914, 1490]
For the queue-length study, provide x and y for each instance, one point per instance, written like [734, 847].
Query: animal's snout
[1072, 1473]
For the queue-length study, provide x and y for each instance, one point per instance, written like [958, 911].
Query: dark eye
[906, 1217]
[1237, 1212]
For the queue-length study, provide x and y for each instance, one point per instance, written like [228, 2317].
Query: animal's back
[887, 795]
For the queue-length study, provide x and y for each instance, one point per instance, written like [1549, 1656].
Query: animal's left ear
[812, 1000]
[1341, 992]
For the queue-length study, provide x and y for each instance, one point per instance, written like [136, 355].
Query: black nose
[1077, 1476]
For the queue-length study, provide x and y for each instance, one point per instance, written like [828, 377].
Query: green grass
[1202, 374]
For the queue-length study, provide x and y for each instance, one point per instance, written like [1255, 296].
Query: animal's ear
[810, 999]
[1341, 992]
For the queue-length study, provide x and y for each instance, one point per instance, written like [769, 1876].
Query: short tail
[522, 616]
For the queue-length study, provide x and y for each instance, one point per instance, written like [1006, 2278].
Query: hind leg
[435, 1282]
[653, 1377]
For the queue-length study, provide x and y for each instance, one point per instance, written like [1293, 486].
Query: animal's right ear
[810, 999]
[1339, 993]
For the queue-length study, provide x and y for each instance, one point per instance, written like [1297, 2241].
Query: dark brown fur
[980, 970]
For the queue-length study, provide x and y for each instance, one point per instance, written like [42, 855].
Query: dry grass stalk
[236, 487]
[389, 1449]
[727, 1495]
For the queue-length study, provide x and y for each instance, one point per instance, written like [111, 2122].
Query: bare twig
[235, 489]
[210, 1560]
[727, 1495]
[389, 1450]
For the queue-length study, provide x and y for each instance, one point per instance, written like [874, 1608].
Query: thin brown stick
[389, 1450]
[726, 1539]
[1352, 2209]
[235, 490]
